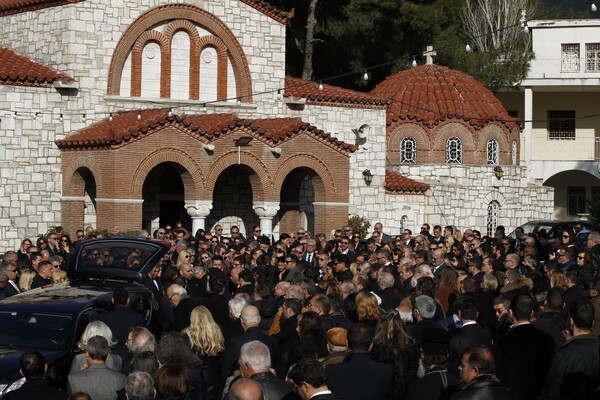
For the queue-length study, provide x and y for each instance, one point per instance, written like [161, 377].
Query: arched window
[453, 151]
[408, 151]
[403, 222]
[492, 151]
[514, 152]
[493, 213]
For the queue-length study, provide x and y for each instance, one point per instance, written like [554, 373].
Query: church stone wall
[30, 179]
[459, 195]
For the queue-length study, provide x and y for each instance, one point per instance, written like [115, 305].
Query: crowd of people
[436, 315]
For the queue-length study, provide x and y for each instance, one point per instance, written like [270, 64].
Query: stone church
[125, 115]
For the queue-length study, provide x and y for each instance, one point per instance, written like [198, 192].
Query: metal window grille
[592, 57]
[408, 151]
[561, 124]
[492, 151]
[570, 57]
[453, 151]
[576, 200]
[493, 213]
[403, 222]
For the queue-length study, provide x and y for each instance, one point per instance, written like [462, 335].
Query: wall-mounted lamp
[208, 147]
[368, 176]
[276, 150]
[498, 172]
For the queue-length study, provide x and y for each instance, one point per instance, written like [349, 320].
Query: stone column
[528, 127]
[266, 210]
[198, 210]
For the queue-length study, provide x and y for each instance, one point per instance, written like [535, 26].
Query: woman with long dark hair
[393, 345]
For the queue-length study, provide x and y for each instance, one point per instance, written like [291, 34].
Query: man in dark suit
[309, 377]
[250, 323]
[11, 287]
[390, 298]
[424, 310]
[309, 259]
[44, 275]
[97, 380]
[524, 354]
[36, 387]
[385, 238]
[120, 320]
[183, 305]
[551, 321]
[466, 308]
[359, 377]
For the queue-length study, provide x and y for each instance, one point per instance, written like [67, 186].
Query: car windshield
[30, 329]
[535, 228]
[117, 254]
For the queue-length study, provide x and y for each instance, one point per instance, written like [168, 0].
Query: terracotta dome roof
[430, 94]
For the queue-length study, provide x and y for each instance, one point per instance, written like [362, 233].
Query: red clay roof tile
[397, 183]
[125, 127]
[430, 94]
[331, 95]
[19, 70]
[10, 7]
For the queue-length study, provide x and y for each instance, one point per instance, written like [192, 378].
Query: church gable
[180, 52]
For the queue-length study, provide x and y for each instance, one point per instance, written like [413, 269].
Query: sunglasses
[580, 258]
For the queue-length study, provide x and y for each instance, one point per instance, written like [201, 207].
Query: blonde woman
[207, 341]
[59, 276]
[26, 279]
[96, 328]
[184, 256]
[367, 308]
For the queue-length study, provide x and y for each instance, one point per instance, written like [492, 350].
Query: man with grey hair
[142, 341]
[236, 305]
[198, 283]
[292, 292]
[423, 311]
[139, 385]
[390, 298]
[347, 288]
[250, 318]
[97, 380]
[255, 363]
[183, 305]
[10, 268]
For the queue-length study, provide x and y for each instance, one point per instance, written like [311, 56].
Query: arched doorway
[233, 200]
[80, 210]
[573, 190]
[297, 201]
[164, 197]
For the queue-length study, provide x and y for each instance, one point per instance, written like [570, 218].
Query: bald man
[250, 318]
[244, 389]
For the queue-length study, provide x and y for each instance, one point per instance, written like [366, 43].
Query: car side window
[86, 316]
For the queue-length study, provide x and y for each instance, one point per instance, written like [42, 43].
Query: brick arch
[186, 26]
[192, 13]
[499, 133]
[324, 187]
[445, 132]
[192, 176]
[494, 196]
[219, 46]
[394, 138]
[70, 174]
[165, 62]
[260, 181]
